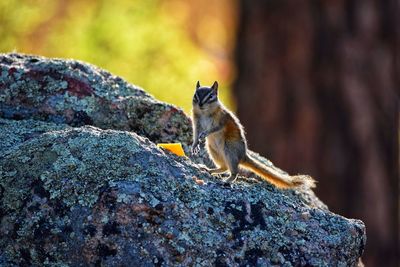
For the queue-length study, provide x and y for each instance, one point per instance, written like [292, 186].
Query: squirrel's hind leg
[214, 171]
[233, 166]
[232, 154]
[218, 170]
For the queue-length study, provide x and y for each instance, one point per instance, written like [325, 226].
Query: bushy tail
[276, 178]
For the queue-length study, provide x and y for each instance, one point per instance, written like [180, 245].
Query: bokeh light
[162, 46]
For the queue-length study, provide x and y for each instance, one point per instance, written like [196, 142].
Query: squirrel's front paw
[195, 149]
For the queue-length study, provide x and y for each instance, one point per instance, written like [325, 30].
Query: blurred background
[315, 83]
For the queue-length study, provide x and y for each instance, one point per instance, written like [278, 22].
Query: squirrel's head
[206, 98]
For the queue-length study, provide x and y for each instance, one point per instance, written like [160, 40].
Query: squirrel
[226, 143]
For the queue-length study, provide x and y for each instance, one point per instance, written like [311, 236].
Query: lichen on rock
[76, 93]
[105, 195]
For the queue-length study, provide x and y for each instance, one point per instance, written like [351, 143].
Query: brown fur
[227, 146]
[280, 180]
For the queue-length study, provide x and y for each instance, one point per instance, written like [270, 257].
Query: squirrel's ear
[215, 86]
[197, 85]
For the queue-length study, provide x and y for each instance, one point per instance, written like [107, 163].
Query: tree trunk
[317, 93]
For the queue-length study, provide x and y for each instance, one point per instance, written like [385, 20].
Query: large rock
[77, 93]
[82, 196]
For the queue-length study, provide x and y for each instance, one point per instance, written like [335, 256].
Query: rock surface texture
[76, 93]
[83, 184]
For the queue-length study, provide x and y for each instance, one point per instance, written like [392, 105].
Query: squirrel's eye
[211, 98]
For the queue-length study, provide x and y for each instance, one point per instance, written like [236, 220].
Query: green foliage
[142, 41]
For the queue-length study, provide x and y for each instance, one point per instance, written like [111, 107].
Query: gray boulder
[76, 93]
[78, 195]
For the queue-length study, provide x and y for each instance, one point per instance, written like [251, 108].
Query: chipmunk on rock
[226, 143]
